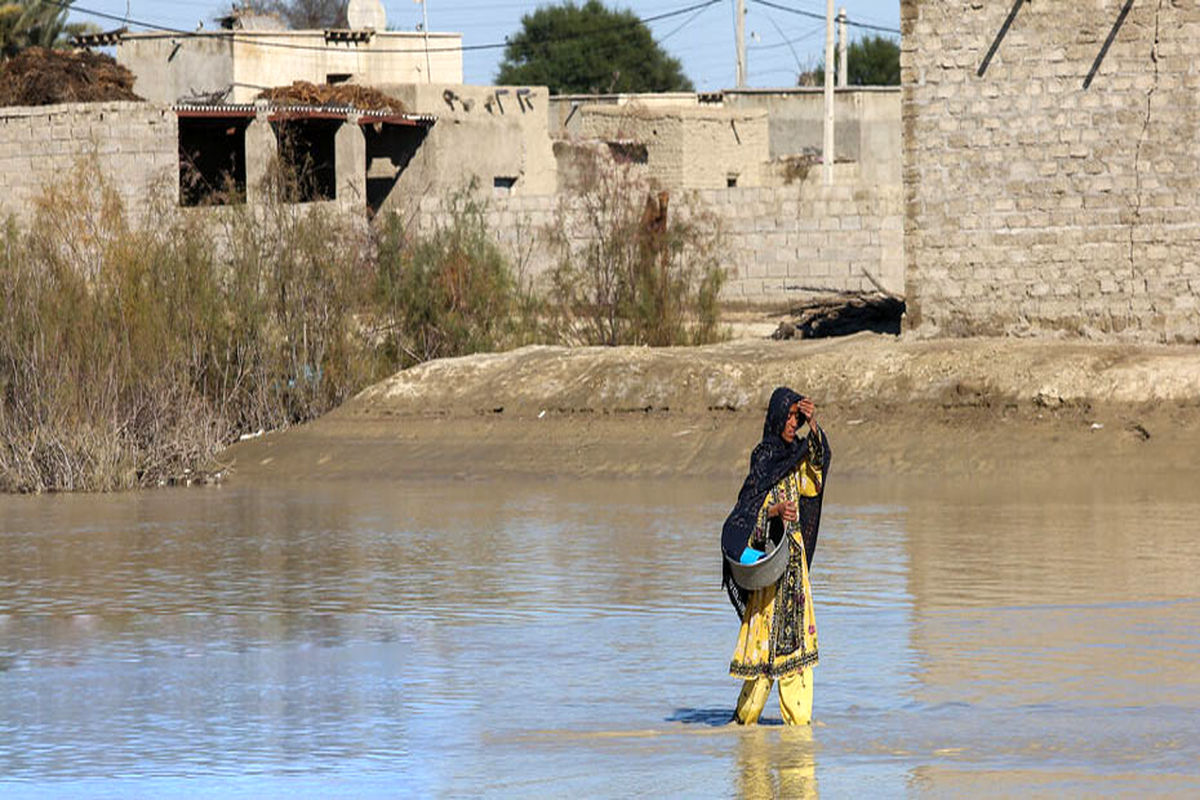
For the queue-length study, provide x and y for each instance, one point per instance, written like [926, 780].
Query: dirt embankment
[983, 406]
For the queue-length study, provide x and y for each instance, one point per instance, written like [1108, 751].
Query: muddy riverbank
[953, 407]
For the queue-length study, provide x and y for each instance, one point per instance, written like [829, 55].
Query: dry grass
[131, 356]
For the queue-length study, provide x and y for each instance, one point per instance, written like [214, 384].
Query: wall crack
[1137, 158]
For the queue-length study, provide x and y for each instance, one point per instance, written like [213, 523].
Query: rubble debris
[40, 77]
[842, 315]
[303, 93]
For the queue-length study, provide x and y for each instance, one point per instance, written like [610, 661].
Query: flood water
[568, 638]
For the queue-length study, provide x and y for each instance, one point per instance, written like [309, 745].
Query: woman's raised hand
[808, 410]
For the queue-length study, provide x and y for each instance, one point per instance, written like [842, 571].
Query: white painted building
[235, 64]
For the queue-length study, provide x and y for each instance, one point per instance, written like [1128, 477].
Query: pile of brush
[40, 77]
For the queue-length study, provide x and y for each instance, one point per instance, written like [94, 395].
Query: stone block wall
[134, 144]
[1051, 167]
[787, 241]
[780, 243]
[690, 148]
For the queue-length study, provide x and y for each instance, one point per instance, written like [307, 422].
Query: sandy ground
[980, 407]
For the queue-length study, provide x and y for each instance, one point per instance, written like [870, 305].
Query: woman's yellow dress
[778, 636]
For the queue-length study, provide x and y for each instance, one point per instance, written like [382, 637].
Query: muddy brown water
[568, 637]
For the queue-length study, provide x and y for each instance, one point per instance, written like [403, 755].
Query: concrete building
[495, 137]
[682, 147]
[235, 64]
[867, 121]
[225, 151]
[133, 145]
[786, 235]
[1051, 175]
[194, 155]
[866, 124]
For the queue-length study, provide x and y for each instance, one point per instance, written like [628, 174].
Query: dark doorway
[307, 154]
[212, 160]
[389, 150]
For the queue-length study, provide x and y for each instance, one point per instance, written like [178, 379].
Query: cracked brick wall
[1052, 167]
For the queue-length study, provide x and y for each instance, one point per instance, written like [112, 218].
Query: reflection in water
[418, 639]
[780, 763]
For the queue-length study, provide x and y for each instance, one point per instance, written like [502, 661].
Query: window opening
[307, 155]
[390, 148]
[212, 160]
[628, 152]
[502, 186]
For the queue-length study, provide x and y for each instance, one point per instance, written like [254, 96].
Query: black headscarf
[772, 459]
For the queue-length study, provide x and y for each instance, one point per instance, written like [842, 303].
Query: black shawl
[772, 459]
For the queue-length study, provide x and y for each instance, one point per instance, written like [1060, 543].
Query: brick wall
[780, 242]
[135, 145]
[1037, 199]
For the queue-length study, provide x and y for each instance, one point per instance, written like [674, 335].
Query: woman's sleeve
[818, 448]
[761, 525]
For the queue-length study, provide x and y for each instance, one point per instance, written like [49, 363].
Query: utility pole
[425, 29]
[843, 65]
[740, 27]
[827, 139]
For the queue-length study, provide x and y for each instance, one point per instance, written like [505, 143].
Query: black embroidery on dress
[801, 661]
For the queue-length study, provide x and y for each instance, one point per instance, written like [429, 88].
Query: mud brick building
[1051, 167]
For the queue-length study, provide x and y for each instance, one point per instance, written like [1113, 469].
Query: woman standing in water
[782, 492]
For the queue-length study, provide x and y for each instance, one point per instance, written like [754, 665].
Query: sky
[779, 43]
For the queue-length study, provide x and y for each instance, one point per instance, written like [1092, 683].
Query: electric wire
[683, 24]
[155, 28]
[758, 48]
[815, 15]
[818, 7]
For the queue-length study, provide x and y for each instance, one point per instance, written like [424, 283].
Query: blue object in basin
[750, 555]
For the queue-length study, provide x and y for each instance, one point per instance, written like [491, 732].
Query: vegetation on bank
[633, 272]
[131, 354]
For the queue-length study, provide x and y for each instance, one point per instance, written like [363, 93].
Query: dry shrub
[303, 93]
[634, 266]
[451, 292]
[131, 356]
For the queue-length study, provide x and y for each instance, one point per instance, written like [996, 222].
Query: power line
[155, 28]
[818, 7]
[759, 48]
[814, 15]
[683, 24]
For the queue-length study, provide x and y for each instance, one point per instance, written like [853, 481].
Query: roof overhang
[286, 113]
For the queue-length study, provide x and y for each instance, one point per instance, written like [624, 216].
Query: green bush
[450, 293]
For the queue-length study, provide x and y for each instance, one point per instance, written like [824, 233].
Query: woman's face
[793, 423]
